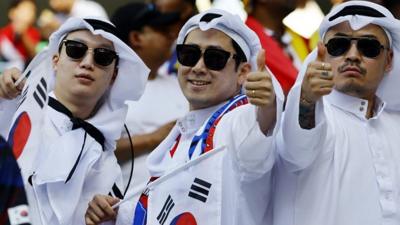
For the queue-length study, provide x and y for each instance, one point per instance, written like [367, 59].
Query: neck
[79, 108]
[206, 104]
[153, 66]
[371, 106]
[152, 74]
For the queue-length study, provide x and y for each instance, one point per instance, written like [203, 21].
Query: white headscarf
[353, 13]
[229, 24]
[132, 72]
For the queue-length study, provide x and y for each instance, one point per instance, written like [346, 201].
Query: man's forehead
[212, 37]
[345, 28]
[87, 36]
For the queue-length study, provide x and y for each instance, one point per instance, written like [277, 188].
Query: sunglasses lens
[188, 55]
[103, 56]
[215, 59]
[74, 49]
[370, 48]
[338, 46]
[77, 50]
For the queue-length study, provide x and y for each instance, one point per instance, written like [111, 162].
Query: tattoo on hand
[307, 116]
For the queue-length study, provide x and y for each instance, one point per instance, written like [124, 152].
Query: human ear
[55, 60]
[114, 76]
[389, 61]
[134, 39]
[243, 70]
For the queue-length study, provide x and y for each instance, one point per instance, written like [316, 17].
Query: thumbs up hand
[318, 80]
[258, 85]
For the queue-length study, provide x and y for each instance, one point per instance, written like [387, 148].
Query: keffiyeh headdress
[359, 14]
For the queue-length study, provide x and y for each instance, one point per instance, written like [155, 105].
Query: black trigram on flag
[200, 190]
[166, 209]
[23, 96]
[40, 95]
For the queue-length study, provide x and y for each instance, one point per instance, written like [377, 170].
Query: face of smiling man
[204, 87]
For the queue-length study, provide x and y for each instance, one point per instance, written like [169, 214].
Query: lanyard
[211, 124]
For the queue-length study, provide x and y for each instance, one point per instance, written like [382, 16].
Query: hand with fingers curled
[258, 86]
[318, 79]
[100, 209]
[8, 89]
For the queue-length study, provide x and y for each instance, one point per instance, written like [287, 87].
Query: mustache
[348, 63]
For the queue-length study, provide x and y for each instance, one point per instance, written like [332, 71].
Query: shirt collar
[193, 120]
[354, 105]
[60, 121]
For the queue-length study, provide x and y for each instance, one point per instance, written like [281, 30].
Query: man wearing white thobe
[339, 143]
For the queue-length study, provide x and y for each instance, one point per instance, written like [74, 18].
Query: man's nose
[353, 53]
[200, 65]
[88, 59]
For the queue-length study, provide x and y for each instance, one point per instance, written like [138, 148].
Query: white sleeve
[251, 151]
[300, 147]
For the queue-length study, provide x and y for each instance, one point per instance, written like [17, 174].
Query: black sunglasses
[77, 50]
[368, 47]
[214, 58]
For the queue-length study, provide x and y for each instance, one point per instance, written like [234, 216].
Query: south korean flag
[189, 195]
[26, 127]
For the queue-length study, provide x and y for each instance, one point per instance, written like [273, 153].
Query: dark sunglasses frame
[77, 50]
[214, 58]
[368, 47]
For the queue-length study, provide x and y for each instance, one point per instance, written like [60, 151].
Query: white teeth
[200, 83]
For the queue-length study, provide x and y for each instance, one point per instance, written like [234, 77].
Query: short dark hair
[240, 56]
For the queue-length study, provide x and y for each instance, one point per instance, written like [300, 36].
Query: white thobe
[344, 171]
[246, 165]
[46, 166]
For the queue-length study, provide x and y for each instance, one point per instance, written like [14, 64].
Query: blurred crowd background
[25, 25]
[110, 6]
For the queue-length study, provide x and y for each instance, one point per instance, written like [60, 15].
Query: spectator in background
[60, 10]
[186, 9]
[285, 49]
[18, 39]
[150, 34]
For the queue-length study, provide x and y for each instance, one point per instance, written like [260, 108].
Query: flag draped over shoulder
[25, 132]
[13, 202]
